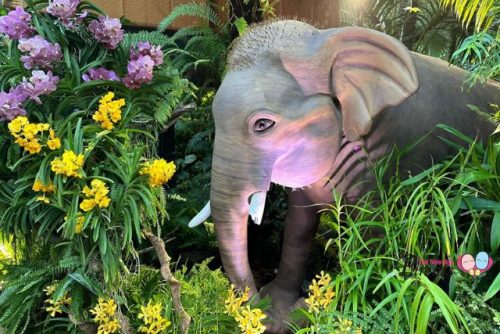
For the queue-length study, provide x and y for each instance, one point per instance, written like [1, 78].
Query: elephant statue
[294, 109]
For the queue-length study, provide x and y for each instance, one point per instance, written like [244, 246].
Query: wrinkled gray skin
[289, 73]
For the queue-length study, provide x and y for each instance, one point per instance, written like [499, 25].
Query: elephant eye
[263, 124]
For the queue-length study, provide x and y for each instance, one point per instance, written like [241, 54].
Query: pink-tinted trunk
[234, 179]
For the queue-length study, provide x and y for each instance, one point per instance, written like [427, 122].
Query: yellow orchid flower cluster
[235, 300]
[344, 326]
[39, 186]
[249, 320]
[79, 224]
[80, 220]
[159, 171]
[27, 135]
[97, 195]
[154, 322]
[109, 112]
[104, 315]
[68, 164]
[207, 98]
[320, 293]
[55, 306]
[50, 289]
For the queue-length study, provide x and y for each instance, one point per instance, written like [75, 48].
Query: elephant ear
[365, 69]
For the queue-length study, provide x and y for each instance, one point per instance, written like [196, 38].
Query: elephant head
[290, 93]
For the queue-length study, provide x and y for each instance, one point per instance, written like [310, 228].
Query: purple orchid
[20, 93]
[100, 73]
[140, 71]
[107, 31]
[65, 11]
[145, 49]
[11, 105]
[41, 52]
[16, 24]
[40, 83]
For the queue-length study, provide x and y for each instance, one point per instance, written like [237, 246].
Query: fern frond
[153, 37]
[201, 10]
[176, 197]
[77, 300]
[192, 31]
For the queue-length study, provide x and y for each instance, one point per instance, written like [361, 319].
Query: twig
[125, 327]
[175, 286]
[149, 249]
[177, 113]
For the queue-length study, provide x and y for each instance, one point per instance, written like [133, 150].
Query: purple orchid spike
[16, 24]
[140, 71]
[146, 49]
[108, 31]
[100, 73]
[41, 52]
[19, 92]
[65, 11]
[40, 83]
[11, 105]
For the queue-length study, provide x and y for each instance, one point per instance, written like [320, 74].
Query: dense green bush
[78, 180]
[448, 210]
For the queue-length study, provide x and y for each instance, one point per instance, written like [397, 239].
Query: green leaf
[424, 313]
[86, 282]
[103, 241]
[493, 289]
[420, 176]
[477, 203]
[136, 220]
[241, 25]
[78, 138]
[62, 287]
[495, 233]
[415, 307]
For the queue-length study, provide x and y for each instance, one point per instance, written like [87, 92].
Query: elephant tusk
[201, 216]
[257, 204]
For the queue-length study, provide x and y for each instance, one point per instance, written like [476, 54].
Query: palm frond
[483, 12]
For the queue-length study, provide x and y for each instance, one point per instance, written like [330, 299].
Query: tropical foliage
[79, 181]
[482, 13]
[383, 250]
[199, 49]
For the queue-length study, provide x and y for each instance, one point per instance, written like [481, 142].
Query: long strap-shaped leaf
[484, 11]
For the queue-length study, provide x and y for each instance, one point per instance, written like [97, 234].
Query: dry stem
[175, 285]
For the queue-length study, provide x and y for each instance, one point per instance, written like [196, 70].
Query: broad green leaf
[493, 289]
[495, 232]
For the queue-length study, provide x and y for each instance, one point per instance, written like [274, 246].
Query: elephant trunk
[233, 183]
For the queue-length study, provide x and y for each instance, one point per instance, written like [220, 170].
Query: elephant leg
[301, 224]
